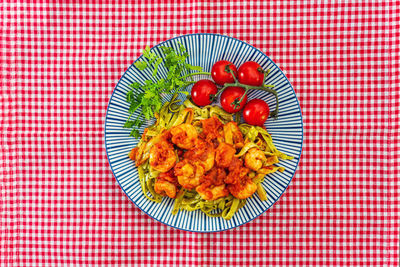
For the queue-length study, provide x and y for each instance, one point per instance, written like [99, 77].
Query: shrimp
[168, 176]
[189, 173]
[202, 152]
[215, 176]
[163, 187]
[224, 154]
[211, 128]
[132, 153]
[184, 135]
[213, 186]
[233, 135]
[143, 152]
[212, 192]
[254, 159]
[236, 172]
[244, 189]
[162, 156]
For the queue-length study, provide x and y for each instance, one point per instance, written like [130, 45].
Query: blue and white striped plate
[287, 131]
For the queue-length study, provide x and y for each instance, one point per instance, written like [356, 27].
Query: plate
[287, 131]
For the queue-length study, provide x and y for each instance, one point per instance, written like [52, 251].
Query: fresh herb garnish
[149, 101]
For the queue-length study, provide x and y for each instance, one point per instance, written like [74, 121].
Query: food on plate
[202, 92]
[251, 73]
[221, 74]
[250, 76]
[145, 99]
[256, 112]
[195, 153]
[233, 99]
[205, 161]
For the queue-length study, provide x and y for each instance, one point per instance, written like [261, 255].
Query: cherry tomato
[251, 73]
[229, 95]
[219, 75]
[256, 112]
[201, 92]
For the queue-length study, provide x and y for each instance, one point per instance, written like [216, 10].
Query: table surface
[59, 202]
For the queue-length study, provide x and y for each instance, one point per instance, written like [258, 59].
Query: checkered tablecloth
[59, 202]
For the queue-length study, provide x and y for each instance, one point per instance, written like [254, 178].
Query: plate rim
[297, 163]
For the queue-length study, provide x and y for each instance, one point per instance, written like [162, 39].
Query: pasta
[204, 160]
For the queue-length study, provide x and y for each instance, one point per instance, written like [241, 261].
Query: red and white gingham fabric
[59, 202]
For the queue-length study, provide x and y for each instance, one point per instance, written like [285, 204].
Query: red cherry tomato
[201, 92]
[256, 112]
[219, 75]
[229, 95]
[251, 73]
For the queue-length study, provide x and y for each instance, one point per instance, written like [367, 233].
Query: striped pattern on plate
[287, 131]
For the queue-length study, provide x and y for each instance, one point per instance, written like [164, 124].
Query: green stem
[196, 73]
[187, 83]
[214, 96]
[250, 87]
[229, 70]
[265, 87]
[266, 74]
[237, 103]
[130, 115]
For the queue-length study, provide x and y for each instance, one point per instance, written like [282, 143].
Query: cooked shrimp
[184, 135]
[244, 189]
[254, 159]
[189, 173]
[163, 187]
[211, 129]
[168, 176]
[212, 192]
[236, 172]
[233, 135]
[132, 153]
[143, 152]
[215, 176]
[224, 154]
[162, 156]
[202, 152]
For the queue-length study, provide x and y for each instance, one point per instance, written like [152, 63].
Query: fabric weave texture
[59, 202]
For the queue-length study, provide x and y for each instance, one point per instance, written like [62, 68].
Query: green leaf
[128, 124]
[135, 133]
[146, 52]
[161, 82]
[135, 85]
[182, 49]
[141, 65]
[149, 101]
[166, 50]
[179, 83]
[134, 106]
[130, 96]
[156, 64]
[138, 123]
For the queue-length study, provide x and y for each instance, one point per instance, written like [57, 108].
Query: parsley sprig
[149, 101]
